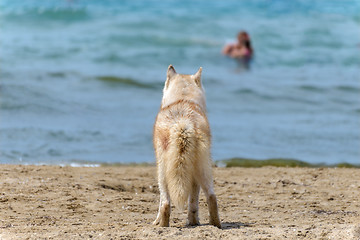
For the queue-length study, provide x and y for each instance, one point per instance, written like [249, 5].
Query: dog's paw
[193, 224]
[164, 224]
[216, 224]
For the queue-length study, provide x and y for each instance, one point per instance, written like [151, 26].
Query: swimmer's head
[243, 37]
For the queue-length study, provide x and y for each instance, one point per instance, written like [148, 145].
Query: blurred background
[81, 81]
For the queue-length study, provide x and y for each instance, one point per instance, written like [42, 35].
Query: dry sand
[52, 202]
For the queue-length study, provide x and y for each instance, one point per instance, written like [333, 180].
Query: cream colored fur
[182, 142]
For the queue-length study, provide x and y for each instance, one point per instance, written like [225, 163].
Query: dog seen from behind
[182, 142]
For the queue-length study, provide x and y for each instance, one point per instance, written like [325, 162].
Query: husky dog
[182, 147]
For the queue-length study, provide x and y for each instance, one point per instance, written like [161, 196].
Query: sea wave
[348, 89]
[48, 144]
[323, 89]
[114, 81]
[250, 95]
[31, 15]
[312, 88]
[21, 98]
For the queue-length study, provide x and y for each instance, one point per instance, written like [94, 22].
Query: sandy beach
[53, 202]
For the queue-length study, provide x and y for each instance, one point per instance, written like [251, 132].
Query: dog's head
[183, 87]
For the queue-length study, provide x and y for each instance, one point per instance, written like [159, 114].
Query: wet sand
[53, 202]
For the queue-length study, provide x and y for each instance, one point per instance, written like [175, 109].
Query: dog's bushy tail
[180, 163]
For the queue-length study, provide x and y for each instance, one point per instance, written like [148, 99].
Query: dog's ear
[169, 75]
[197, 77]
[170, 72]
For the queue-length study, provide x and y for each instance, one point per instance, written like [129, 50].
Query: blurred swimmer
[240, 50]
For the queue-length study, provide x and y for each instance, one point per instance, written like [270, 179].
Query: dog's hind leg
[163, 217]
[213, 210]
[193, 209]
[207, 186]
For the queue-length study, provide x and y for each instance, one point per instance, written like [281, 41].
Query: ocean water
[81, 81]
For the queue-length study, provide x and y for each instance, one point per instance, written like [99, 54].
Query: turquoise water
[81, 81]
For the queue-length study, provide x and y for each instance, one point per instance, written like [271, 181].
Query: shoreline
[57, 202]
[226, 163]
